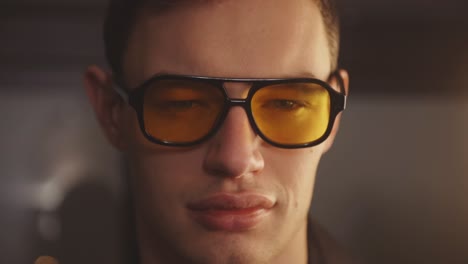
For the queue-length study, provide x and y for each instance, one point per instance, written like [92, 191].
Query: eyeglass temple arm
[336, 74]
[121, 92]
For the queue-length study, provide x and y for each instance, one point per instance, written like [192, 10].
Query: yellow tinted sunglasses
[176, 110]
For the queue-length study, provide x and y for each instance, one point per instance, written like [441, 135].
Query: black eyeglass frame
[135, 98]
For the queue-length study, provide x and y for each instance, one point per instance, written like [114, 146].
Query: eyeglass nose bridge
[237, 102]
[243, 103]
[232, 102]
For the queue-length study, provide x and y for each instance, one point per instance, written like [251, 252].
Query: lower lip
[230, 220]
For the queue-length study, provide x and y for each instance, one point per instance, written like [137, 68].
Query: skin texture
[243, 38]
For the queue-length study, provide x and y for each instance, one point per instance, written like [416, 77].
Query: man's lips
[231, 212]
[232, 202]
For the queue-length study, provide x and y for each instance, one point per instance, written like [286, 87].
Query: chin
[229, 250]
[231, 256]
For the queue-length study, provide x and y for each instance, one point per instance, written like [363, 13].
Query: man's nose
[234, 150]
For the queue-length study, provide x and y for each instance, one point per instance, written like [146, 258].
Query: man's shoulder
[323, 249]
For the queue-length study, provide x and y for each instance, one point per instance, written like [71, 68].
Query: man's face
[234, 198]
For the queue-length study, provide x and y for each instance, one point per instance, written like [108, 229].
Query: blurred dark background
[394, 189]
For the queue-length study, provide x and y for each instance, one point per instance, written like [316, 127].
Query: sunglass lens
[181, 111]
[293, 113]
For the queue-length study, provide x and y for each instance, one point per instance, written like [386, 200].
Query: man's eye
[178, 105]
[182, 104]
[284, 104]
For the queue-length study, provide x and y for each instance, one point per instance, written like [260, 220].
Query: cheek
[161, 188]
[157, 173]
[296, 176]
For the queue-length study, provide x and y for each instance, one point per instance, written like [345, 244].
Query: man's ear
[106, 103]
[334, 82]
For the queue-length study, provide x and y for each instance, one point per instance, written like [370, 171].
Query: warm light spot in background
[46, 260]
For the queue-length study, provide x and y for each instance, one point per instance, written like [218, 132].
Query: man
[223, 109]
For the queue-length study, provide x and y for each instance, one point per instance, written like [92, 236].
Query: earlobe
[106, 104]
[334, 82]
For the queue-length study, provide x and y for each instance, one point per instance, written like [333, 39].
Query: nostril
[226, 169]
[235, 160]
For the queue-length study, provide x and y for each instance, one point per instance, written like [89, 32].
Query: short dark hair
[122, 14]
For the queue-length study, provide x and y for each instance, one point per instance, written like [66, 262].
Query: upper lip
[229, 201]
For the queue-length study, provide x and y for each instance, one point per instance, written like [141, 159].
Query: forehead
[232, 38]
